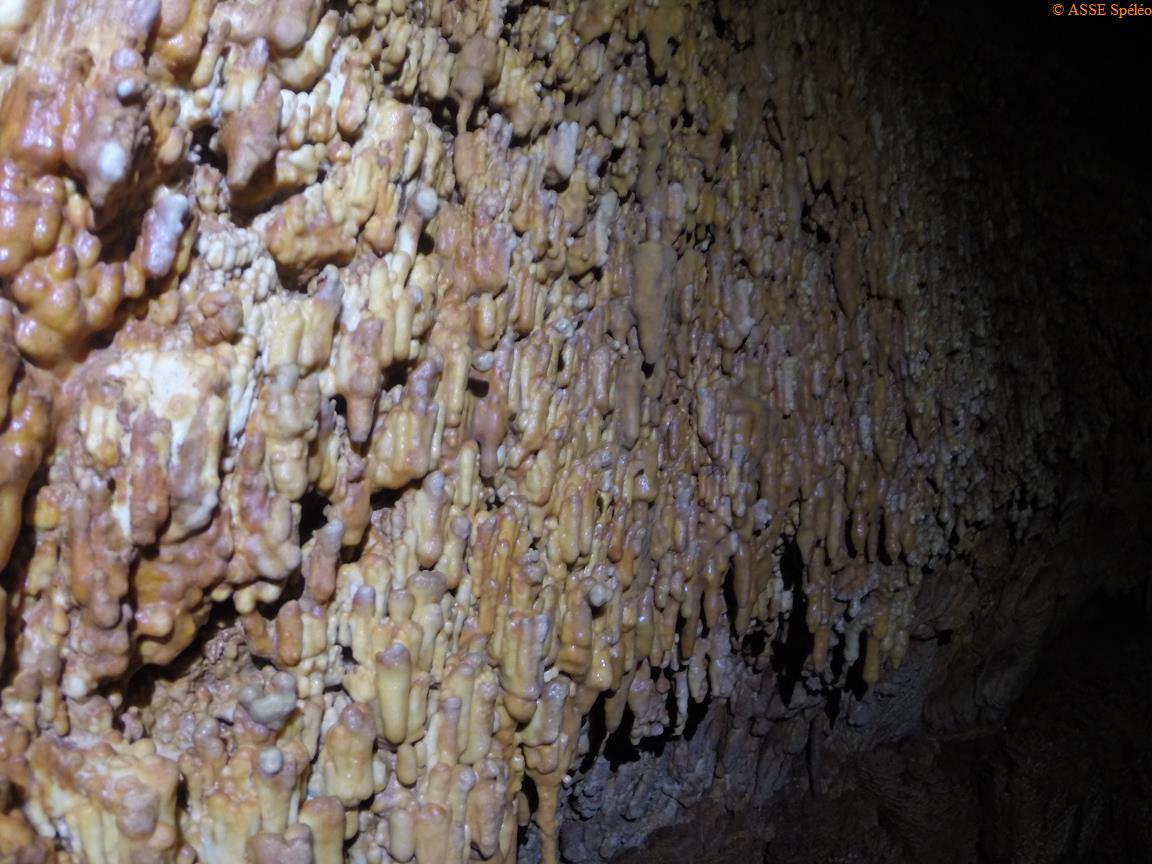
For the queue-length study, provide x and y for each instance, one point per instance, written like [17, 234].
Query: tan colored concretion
[430, 372]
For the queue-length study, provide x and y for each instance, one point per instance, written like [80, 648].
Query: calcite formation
[387, 388]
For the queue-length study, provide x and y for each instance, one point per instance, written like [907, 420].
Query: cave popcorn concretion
[440, 374]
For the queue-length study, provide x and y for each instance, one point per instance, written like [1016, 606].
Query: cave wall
[426, 420]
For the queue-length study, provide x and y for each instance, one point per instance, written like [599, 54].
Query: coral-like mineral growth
[385, 387]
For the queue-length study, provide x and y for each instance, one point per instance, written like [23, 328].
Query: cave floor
[1068, 780]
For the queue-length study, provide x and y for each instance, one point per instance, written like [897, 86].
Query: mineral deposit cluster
[389, 390]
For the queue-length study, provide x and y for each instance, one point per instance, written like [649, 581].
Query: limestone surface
[400, 400]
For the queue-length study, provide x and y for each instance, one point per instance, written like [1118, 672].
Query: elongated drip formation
[386, 387]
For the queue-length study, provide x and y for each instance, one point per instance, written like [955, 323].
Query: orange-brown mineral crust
[386, 387]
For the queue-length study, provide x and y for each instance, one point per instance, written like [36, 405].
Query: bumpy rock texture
[418, 420]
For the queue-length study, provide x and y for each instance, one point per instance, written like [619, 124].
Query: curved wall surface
[419, 421]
